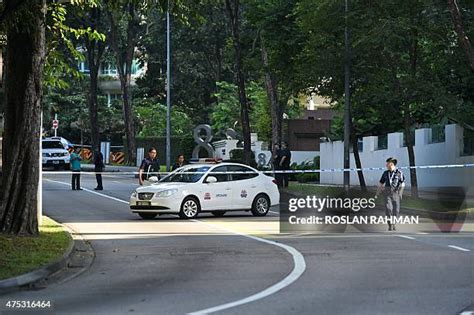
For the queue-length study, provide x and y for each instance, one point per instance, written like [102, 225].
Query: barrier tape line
[329, 170]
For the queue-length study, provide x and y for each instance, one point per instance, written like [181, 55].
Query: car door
[217, 196]
[245, 184]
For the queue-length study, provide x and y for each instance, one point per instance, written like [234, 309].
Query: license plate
[143, 203]
[55, 162]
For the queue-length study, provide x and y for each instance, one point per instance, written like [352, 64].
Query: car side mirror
[211, 179]
[153, 179]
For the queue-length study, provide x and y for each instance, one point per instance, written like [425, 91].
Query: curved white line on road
[298, 269]
[298, 262]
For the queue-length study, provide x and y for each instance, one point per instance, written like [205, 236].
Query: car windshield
[187, 175]
[52, 145]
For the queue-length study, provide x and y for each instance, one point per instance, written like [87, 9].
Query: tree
[463, 38]
[124, 18]
[233, 12]
[95, 47]
[278, 37]
[25, 28]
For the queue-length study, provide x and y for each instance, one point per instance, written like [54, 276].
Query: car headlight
[165, 193]
[134, 194]
[45, 154]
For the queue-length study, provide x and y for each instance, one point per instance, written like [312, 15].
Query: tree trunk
[407, 119]
[462, 35]
[124, 67]
[272, 95]
[93, 111]
[411, 155]
[233, 12]
[95, 50]
[23, 89]
[355, 150]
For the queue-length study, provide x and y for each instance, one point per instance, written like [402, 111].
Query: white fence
[426, 153]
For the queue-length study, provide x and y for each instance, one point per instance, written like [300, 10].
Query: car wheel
[218, 213]
[67, 167]
[147, 215]
[189, 208]
[260, 205]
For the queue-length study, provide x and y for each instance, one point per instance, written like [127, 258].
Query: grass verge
[20, 254]
[407, 202]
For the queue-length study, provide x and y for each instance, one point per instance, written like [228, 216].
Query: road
[240, 264]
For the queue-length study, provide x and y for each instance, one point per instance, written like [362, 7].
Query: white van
[54, 154]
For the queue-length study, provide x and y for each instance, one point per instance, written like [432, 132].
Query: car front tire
[260, 205]
[189, 208]
[147, 215]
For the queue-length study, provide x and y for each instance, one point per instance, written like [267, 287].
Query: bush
[306, 177]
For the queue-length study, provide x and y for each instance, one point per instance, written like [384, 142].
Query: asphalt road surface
[240, 264]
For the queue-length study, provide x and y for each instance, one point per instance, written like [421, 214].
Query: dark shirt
[98, 161]
[392, 180]
[176, 166]
[277, 158]
[150, 167]
[286, 153]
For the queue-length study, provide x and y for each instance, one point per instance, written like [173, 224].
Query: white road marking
[91, 191]
[298, 261]
[467, 313]
[407, 237]
[298, 269]
[459, 248]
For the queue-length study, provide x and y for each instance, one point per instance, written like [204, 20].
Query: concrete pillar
[422, 136]
[369, 143]
[395, 140]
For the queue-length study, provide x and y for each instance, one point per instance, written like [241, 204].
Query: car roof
[234, 164]
[213, 165]
[52, 140]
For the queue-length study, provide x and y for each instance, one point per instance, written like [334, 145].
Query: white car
[199, 188]
[54, 154]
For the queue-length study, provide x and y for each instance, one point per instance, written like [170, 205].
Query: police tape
[329, 170]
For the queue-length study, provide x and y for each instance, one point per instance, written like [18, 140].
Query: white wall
[426, 153]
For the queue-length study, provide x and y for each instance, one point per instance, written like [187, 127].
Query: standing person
[75, 161]
[149, 167]
[391, 184]
[98, 169]
[285, 163]
[180, 161]
[277, 164]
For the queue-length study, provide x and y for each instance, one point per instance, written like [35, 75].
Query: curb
[26, 279]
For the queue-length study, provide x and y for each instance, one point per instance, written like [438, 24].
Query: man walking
[149, 167]
[391, 184]
[98, 169]
[75, 161]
